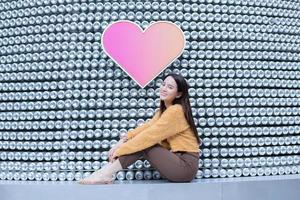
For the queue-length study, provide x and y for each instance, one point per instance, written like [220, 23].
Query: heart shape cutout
[143, 55]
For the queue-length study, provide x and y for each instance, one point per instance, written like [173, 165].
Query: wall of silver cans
[64, 103]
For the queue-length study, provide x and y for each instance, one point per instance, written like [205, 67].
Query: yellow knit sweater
[171, 130]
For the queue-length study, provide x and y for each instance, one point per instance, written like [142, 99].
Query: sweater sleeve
[142, 127]
[171, 122]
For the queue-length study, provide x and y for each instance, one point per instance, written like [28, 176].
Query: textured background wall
[63, 102]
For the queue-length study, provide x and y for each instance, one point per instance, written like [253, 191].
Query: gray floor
[250, 188]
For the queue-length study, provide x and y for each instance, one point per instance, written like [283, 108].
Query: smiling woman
[169, 141]
[175, 89]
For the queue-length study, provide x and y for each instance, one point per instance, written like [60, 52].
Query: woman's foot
[103, 175]
[98, 177]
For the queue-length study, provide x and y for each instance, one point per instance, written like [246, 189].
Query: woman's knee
[152, 148]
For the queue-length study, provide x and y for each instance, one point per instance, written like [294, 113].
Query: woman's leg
[104, 175]
[129, 159]
[176, 167]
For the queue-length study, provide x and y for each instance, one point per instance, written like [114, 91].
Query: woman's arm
[140, 128]
[171, 122]
[122, 140]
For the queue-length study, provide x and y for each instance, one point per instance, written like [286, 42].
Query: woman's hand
[111, 152]
[124, 138]
[113, 156]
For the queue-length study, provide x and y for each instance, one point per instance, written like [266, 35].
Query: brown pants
[176, 167]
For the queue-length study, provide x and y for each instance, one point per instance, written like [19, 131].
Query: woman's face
[168, 90]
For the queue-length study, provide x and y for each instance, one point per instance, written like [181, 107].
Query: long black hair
[183, 100]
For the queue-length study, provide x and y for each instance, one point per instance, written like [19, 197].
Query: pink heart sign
[143, 55]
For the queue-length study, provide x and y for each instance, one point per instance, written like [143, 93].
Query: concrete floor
[249, 188]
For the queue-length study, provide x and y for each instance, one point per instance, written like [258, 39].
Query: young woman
[169, 141]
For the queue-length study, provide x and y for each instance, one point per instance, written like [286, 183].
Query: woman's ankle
[112, 168]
